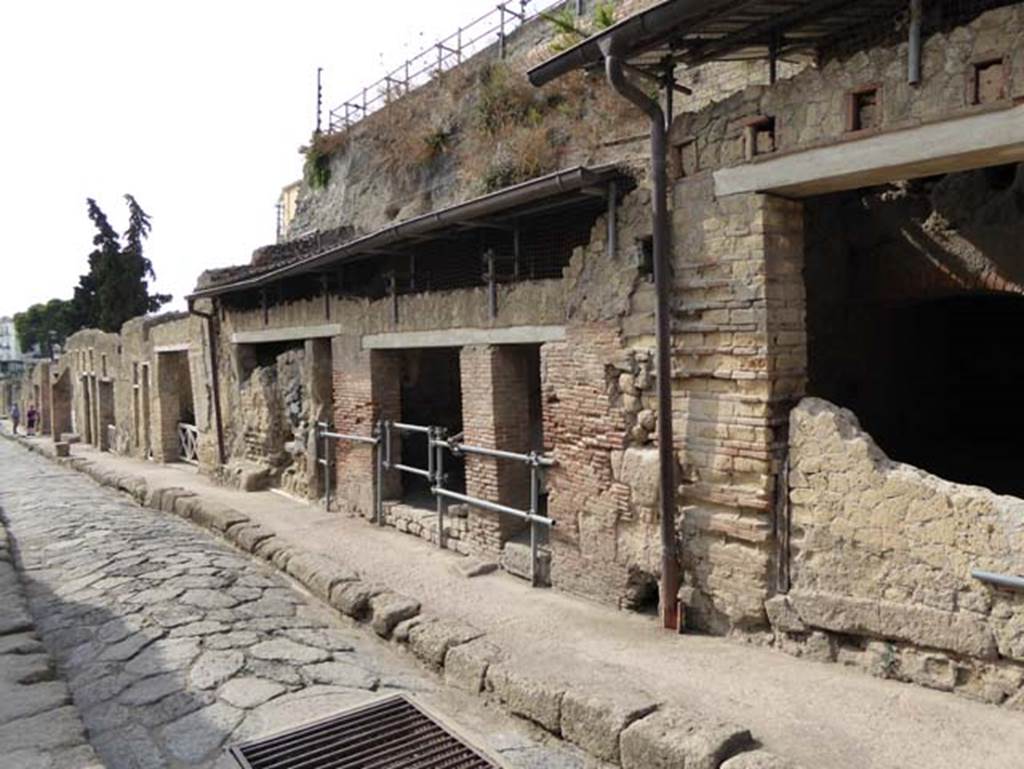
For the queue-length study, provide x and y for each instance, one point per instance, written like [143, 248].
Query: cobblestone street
[174, 644]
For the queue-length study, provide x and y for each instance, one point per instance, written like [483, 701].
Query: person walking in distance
[31, 419]
[15, 417]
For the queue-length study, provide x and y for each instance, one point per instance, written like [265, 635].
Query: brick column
[367, 388]
[495, 414]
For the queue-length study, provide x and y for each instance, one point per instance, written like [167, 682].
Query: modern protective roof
[541, 195]
[692, 32]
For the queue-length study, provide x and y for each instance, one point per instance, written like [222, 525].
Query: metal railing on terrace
[493, 28]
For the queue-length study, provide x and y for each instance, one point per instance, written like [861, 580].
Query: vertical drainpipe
[662, 278]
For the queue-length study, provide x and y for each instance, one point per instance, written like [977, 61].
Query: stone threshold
[621, 726]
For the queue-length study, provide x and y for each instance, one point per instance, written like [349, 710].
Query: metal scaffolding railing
[493, 28]
[324, 438]
[438, 444]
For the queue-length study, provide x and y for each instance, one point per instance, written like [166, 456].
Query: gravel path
[174, 644]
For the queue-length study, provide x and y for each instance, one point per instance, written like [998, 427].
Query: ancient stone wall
[882, 555]
[739, 364]
[818, 106]
[94, 358]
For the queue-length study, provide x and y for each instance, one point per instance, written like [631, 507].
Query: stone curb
[627, 728]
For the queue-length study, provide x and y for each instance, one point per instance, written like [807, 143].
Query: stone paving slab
[828, 716]
[39, 727]
[174, 644]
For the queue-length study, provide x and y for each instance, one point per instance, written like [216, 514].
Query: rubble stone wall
[882, 554]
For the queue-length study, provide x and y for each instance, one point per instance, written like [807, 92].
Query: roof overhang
[538, 196]
[692, 32]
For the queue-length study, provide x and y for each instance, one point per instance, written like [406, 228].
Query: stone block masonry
[739, 364]
[882, 560]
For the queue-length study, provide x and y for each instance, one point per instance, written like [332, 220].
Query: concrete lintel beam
[461, 337]
[182, 347]
[291, 334]
[958, 144]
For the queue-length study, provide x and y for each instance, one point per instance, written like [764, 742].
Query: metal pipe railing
[1000, 580]
[492, 28]
[325, 435]
[462, 448]
[437, 444]
[536, 463]
[494, 507]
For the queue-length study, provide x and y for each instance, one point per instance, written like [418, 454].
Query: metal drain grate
[393, 733]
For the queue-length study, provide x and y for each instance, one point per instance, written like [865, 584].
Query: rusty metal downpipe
[670, 578]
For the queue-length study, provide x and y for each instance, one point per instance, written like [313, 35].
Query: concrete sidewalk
[821, 715]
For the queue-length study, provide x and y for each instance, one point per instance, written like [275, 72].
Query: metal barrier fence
[188, 442]
[324, 436]
[437, 444]
[492, 28]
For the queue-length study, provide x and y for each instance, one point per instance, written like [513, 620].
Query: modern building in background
[9, 349]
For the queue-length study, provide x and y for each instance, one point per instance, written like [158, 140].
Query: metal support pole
[534, 510]
[319, 97]
[613, 226]
[1007, 581]
[327, 297]
[670, 91]
[501, 34]
[387, 443]
[393, 291]
[492, 286]
[327, 469]
[516, 251]
[442, 504]
[379, 472]
[914, 45]
[431, 468]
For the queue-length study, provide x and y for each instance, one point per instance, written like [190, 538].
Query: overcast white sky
[196, 108]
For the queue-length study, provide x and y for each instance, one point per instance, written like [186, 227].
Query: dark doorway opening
[431, 396]
[906, 330]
